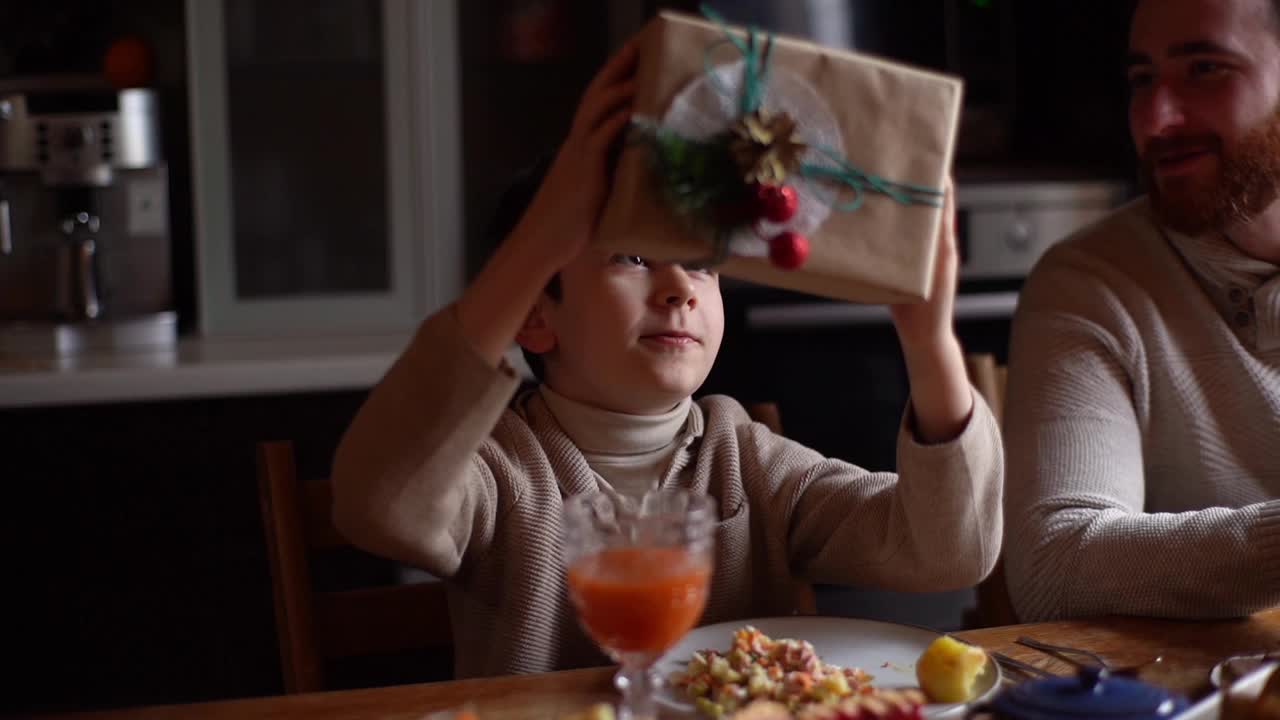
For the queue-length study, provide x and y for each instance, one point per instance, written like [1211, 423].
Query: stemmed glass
[638, 575]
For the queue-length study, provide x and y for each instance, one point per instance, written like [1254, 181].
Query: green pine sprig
[699, 177]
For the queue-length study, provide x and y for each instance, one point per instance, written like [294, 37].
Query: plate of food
[804, 662]
[1255, 696]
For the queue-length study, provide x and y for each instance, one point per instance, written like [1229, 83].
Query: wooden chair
[315, 627]
[994, 606]
[990, 379]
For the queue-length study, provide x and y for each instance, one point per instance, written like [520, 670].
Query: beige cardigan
[1143, 429]
[437, 471]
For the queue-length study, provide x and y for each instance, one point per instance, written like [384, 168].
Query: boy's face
[628, 335]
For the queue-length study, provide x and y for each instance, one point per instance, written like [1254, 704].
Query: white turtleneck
[632, 454]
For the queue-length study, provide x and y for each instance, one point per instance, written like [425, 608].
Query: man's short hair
[512, 204]
[1274, 5]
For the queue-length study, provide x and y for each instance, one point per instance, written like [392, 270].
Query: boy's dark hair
[512, 204]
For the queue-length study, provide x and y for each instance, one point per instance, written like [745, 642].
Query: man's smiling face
[1204, 77]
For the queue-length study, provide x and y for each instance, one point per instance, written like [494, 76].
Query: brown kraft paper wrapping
[896, 122]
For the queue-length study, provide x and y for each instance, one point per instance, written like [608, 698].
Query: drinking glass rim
[702, 507]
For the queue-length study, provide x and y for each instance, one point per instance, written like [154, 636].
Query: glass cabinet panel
[325, 144]
[308, 145]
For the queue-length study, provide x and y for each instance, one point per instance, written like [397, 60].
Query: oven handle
[6, 228]
[797, 316]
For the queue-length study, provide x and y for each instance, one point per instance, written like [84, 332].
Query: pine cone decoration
[764, 147]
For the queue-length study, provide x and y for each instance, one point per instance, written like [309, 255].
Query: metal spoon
[1014, 665]
[1063, 653]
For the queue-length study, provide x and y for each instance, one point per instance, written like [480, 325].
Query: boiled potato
[948, 668]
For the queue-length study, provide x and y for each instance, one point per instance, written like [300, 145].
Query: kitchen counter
[810, 315]
[201, 367]
[227, 367]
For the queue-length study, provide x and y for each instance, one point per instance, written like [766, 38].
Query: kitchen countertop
[810, 315]
[205, 368]
[228, 367]
[201, 367]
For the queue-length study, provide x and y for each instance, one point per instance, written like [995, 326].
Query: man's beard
[1247, 181]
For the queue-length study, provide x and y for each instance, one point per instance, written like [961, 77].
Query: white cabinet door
[326, 163]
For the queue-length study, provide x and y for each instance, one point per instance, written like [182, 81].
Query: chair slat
[317, 503]
[377, 621]
[290, 577]
[317, 626]
[994, 607]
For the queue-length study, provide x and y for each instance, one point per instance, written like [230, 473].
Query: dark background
[133, 560]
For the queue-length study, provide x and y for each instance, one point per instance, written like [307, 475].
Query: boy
[438, 472]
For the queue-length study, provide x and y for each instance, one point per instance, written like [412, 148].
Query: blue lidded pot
[1093, 693]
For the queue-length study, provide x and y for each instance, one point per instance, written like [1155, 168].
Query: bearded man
[1142, 430]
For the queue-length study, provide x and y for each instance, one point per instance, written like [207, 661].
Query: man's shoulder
[1123, 250]
[1123, 236]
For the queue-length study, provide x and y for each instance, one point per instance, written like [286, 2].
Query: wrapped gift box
[884, 119]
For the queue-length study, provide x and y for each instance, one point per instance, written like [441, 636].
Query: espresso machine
[84, 222]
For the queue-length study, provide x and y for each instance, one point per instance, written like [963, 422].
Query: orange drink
[640, 599]
[638, 574]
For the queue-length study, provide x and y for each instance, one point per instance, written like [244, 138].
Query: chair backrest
[994, 607]
[767, 414]
[990, 378]
[314, 626]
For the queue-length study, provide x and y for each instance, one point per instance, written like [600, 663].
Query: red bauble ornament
[776, 203]
[788, 250]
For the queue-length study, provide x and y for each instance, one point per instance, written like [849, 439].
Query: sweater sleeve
[1079, 543]
[936, 525]
[408, 481]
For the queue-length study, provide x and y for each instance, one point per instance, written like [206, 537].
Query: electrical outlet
[148, 209]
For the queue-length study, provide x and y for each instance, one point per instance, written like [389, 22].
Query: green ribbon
[861, 182]
[756, 53]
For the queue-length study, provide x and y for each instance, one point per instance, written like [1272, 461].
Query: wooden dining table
[1186, 651]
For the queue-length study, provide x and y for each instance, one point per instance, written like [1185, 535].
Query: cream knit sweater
[1142, 428]
[436, 471]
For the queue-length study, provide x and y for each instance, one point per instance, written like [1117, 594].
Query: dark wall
[134, 562]
[516, 110]
[1070, 94]
[1061, 78]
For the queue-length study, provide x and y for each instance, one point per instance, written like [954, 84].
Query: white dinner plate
[885, 650]
[1241, 665]
[1250, 685]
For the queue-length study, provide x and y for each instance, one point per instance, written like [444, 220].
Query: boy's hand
[920, 325]
[560, 220]
[940, 393]
[566, 209]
